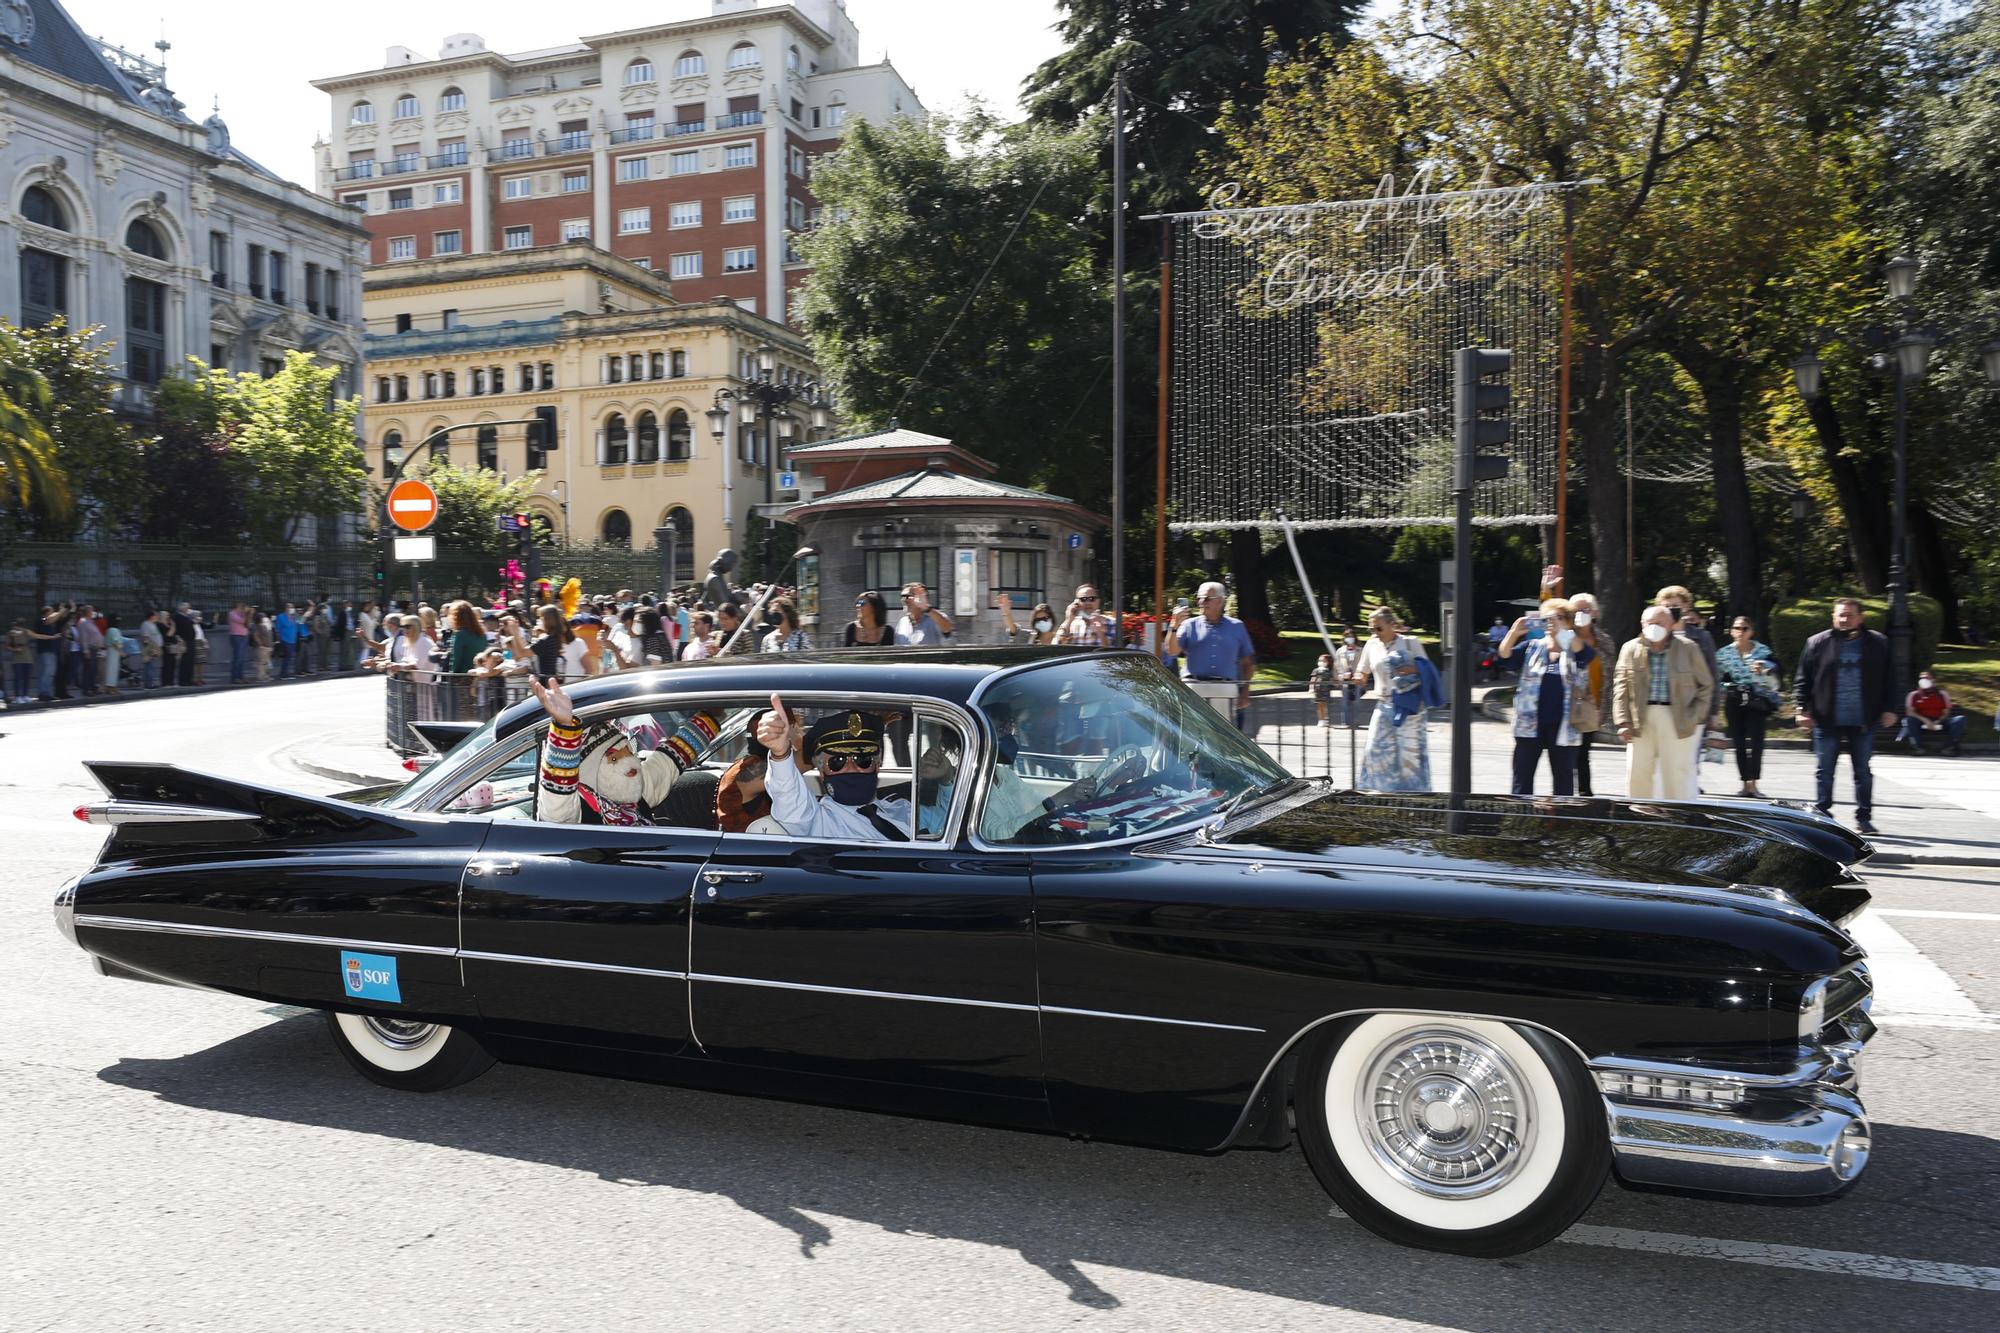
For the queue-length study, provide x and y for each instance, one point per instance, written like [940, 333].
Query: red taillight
[82, 812]
[413, 766]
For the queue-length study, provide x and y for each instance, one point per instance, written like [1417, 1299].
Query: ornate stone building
[123, 213]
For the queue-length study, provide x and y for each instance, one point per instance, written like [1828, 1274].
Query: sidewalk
[132, 693]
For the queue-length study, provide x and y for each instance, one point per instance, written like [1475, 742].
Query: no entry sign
[413, 506]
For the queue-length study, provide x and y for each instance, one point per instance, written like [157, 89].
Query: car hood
[1752, 846]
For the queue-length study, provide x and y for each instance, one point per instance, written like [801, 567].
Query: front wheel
[1456, 1134]
[408, 1055]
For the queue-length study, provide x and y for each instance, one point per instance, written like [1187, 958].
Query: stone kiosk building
[896, 506]
[122, 212]
[484, 339]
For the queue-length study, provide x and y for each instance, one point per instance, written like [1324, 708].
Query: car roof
[950, 674]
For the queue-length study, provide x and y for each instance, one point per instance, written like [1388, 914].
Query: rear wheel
[1457, 1134]
[406, 1054]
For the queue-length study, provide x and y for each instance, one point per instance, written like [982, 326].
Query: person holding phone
[1750, 694]
[921, 625]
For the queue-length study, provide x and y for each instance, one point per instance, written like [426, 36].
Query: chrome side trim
[1815, 1069]
[245, 933]
[65, 908]
[863, 994]
[1145, 1018]
[481, 956]
[145, 812]
[1817, 1146]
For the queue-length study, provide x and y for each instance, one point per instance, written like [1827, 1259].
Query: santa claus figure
[605, 773]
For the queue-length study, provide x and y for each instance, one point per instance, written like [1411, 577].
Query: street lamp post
[1801, 510]
[763, 397]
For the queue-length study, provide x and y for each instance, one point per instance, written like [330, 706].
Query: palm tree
[28, 465]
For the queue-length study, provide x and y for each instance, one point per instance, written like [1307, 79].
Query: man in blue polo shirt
[286, 626]
[1220, 659]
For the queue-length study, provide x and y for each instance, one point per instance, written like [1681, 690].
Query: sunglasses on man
[840, 763]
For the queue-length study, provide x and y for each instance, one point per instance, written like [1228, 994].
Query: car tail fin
[161, 804]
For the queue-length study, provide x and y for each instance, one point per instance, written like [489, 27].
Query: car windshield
[1094, 749]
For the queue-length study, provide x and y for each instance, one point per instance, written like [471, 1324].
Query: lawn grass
[1971, 676]
[1306, 646]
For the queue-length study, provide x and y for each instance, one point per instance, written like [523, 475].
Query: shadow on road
[1251, 1221]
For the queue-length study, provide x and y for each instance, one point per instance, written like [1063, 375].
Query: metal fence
[438, 696]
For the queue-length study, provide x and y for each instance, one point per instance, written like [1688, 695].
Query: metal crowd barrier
[438, 696]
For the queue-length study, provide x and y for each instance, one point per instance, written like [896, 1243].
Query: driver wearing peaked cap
[845, 748]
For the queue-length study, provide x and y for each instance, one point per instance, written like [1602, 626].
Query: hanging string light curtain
[1311, 354]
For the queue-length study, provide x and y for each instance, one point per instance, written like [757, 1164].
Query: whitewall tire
[406, 1054]
[1459, 1134]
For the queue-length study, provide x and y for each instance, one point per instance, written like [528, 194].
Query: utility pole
[1118, 355]
[1473, 430]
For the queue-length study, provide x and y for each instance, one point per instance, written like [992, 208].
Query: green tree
[470, 503]
[953, 291]
[97, 453]
[289, 441]
[29, 469]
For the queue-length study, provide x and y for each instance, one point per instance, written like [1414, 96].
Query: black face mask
[851, 788]
[928, 789]
[1007, 747]
[1676, 612]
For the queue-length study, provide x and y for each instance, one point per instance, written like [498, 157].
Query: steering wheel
[1103, 778]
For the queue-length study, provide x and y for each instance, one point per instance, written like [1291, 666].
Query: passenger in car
[741, 797]
[845, 747]
[599, 775]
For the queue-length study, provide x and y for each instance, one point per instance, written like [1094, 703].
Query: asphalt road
[178, 1160]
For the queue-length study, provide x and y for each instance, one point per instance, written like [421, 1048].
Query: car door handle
[732, 876]
[491, 867]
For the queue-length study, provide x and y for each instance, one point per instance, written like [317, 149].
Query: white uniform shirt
[806, 816]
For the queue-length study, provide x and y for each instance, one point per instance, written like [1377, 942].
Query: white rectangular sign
[965, 582]
[413, 549]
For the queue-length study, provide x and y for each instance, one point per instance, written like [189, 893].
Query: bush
[1791, 626]
[1264, 637]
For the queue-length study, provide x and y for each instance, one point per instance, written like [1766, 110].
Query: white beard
[618, 782]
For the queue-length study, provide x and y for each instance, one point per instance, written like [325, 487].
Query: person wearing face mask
[1585, 622]
[1927, 711]
[845, 749]
[1347, 661]
[1844, 694]
[1688, 625]
[1748, 678]
[1661, 691]
[1552, 702]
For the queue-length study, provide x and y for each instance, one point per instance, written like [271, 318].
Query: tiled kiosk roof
[937, 485]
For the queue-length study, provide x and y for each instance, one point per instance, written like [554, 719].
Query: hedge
[1790, 627]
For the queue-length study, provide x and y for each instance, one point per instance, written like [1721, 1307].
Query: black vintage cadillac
[1104, 913]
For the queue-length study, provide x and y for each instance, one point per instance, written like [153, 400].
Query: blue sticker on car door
[369, 976]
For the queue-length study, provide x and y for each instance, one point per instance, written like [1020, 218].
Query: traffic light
[544, 436]
[1479, 420]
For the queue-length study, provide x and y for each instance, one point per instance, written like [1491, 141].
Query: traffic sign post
[413, 505]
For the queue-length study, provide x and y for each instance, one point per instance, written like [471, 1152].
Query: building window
[430, 384]
[685, 214]
[636, 366]
[519, 238]
[792, 58]
[798, 161]
[739, 259]
[576, 229]
[680, 436]
[451, 99]
[614, 441]
[402, 247]
[575, 182]
[527, 377]
[478, 381]
[312, 289]
[889, 571]
[408, 108]
[741, 208]
[796, 213]
[617, 528]
[145, 330]
[687, 266]
[632, 221]
[614, 370]
[218, 258]
[449, 319]
[572, 136]
[744, 55]
[450, 378]
[448, 192]
[690, 64]
[548, 374]
[647, 431]
[798, 109]
[740, 155]
[683, 163]
[392, 451]
[440, 449]
[682, 523]
[452, 153]
[405, 157]
[381, 382]
[632, 168]
[517, 187]
[361, 113]
[516, 144]
[656, 366]
[402, 389]
[255, 268]
[643, 261]
[639, 71]
[836, 116]
[677, 364]
[488, 447]
[403, 198]
[1018, 574]
[447, 242]
[331, 287]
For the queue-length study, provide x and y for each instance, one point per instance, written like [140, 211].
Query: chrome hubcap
[1445, 1113]
[400, 1034]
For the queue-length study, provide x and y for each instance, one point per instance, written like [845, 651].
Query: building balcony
[402, 166]
[633, 134]
[566, 143]
[355, 171]
[465, 339]
[736, 120]
[681, 127]
[512, 150]
[456, 157]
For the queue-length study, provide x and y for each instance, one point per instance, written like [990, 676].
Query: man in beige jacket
[1660, 695]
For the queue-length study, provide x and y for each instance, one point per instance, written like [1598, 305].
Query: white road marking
[1911, 990]
[1848, 1263]
[1935, 915]
[1845, 1262]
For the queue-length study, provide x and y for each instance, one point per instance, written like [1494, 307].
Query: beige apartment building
[481, 341]
[683, 146]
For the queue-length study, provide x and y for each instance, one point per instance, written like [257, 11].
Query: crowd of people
[75, 650]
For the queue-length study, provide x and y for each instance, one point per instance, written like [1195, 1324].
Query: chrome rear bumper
[1801, 1132]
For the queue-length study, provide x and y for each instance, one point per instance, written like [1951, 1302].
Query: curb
[135, 694]
[1930, 859]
